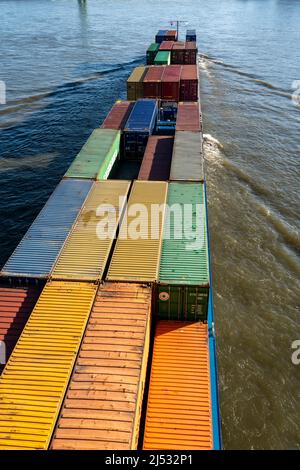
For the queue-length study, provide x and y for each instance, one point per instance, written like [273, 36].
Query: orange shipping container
[179, 414]
[103, 403]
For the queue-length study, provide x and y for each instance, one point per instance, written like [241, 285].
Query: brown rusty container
[152, 81]
[184, 53]
[188, 117]
[177, 53]
[170, 83]
[16, 305]
[135, 83]
[118, 115]
[171, 35]
[103, 402]
[191, 52]
[157, 158]
[166, 45]
[189, 83]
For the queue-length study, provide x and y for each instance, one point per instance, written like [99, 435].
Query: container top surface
[157, 159]
[184, 254]
[166, 45]
[153, 47]
[137, 74]
[142, 114]
[171, 32]
[189, 72]
[118, 115]
[171, 73]
[179, 410]
[190, 45]
[154, 73]
[191, 32]
[178, 45]
[54, 332]
[162, 32]
[101, 406]
[188, 116]
[162, 56]
[187, 159]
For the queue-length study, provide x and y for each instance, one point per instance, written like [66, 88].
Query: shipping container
[166, 45]
[139, 126]
[184, 53]
[188, 117]
[152, 82]
[118, 115]
[171, 35]
[151, 53]
[170, 83]
[16, 304]
[102, 407]
[187, 159]
[179, 410]
[161, 36]
[189, 83]
[182, 293]
[157, 159]
[41, 365]
[98, 155]
[135, 83]
[37, 252]
[87, 248]
[191, 35]
[137, 251]
[162, 58]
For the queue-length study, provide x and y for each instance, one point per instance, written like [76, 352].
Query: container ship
[110, 340]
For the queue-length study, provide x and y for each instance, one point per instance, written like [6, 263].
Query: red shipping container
[170, 83]
[184, 53]
[178, 52]
[166, 45]
[118, 115]
[157, 159]
[189, 83]
[191, 51]
[152, 81]
[16, 305]
[171, 35]
[189, 117]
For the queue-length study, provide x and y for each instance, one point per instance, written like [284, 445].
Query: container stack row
[76, 307]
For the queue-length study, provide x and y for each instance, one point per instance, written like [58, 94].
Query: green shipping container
[162, 58]
[97, 157]
[151, 53]
[182, 292]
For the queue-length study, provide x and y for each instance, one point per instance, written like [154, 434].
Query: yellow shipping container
[34, 381]
[85, 253]
[137, 258]
[135, 84]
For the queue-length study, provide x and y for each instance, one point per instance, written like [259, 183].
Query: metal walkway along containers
[137, 259]
[37, 252]
[103, 402]
[98, 155]
[86, 250]
[16, 304]
[179, 410]
[187, 159]
[34, 381]
[182, 293]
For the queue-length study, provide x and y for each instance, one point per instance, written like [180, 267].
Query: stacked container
[162, 58]
[152, 82]
[135, 83]
[189, 117]
[184, 53]
[151, 53]
[191, 35]
[170, 83]
[157, 159]
[189, 83]
[118, 115]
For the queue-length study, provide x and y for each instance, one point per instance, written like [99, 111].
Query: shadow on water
[37, 150]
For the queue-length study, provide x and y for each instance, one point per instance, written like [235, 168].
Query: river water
[64, 63]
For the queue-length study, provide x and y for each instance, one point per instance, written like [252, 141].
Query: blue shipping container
[140, 124]
[160, 37]
[191, 35]
[38, 250]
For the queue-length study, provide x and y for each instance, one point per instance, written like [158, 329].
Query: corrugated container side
[152, 82]
[151, 53]
[137, 259]
[166, 46]
[184, 267]
[184, 53]
[179, 411]
[103, 402]
[40, 246]
[157, 159]
[16, 305]
[188, 117]
[162, 58]
[98, 155]
[191, 52]
[171, 35]
[118, 115]
[135, 83]
[170, 83]
[187, 160]
[85, 253]
[189, 83]
[41, 365]
[160, 36]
